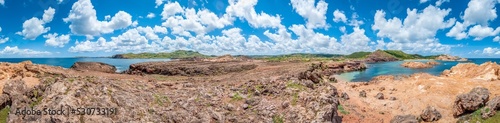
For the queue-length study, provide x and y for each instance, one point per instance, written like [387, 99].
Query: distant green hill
[172, 55]
[358, 55]
[396, 53]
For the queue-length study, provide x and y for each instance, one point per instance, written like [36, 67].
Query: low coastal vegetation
[375, 56]
[395, 53]
[172, 55]
[304, 57]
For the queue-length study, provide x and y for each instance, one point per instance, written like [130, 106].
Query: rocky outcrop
[380, 56]
[491, 108]
[462, 59]
[379, 96]
[319, 72]
[450, 58]
[362, 93]
[93, 66]
[404, 119]
[430, 114]
[187, 68]
[471, 101]
[345, 96]
[432, 62]
[487, 71]
[418, 65]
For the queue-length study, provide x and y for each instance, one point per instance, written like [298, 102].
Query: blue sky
[67, 28]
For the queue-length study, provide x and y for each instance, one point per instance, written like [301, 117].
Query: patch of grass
[295, 98]
[161, 99]
[475, 117]
[259, 88]
[342, 110]
[278, 119]
[197, 99]
[295, 85]
[71, 80]
[237, 97]
[4, 114]
[38, 99]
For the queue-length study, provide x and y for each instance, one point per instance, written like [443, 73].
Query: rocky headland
[250, 91]
[450, 58]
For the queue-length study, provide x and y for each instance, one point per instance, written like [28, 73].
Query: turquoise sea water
[120, 64]
[394, 68]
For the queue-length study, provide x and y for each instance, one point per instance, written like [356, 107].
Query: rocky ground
[268, 92]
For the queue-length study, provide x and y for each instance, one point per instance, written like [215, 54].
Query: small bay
[395, 68]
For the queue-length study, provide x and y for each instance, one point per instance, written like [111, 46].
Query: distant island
[375, 56]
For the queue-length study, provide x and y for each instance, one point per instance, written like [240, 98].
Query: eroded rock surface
[94, 66]
[319, 72]
[404, 119]
[486, 71]
[189, 68]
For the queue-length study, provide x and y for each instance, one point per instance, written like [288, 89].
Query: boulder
[379, 96]
[491, 107]
[432, 62]
[471, 101]
[392, 98]
[362, 93]
[94, 66]
[404, 119]
[345, 96]
[430, 114]
[331, 114]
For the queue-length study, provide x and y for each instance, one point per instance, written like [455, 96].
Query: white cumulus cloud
[16, 51]
[480, 12]
[339, 16]
[315, 15]
[244, 9]
[34, 27]
[151, 15]
[416, 33]
[183, 21]
[481, 32]
[56, 40]
[496, 39]
[84, 21]
[491, 51]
